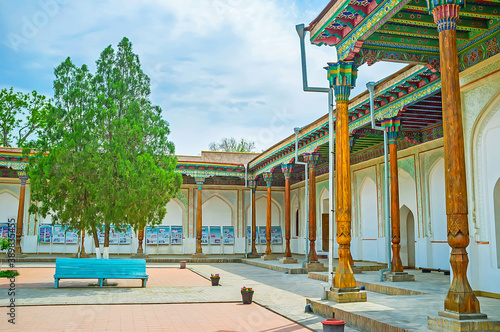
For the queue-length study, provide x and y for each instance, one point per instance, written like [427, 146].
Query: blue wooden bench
[73, 268]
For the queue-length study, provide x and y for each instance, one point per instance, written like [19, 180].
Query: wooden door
[325, 230]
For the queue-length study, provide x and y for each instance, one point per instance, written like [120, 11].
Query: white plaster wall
[369, 223]
[174, 214]
[437, 205]
[261, 218]
[8, 205]
[217, 212]
[408, 199]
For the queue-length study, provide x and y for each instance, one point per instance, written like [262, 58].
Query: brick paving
[152, 317]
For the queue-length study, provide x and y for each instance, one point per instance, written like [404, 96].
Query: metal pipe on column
[370, 86]
[306, 198]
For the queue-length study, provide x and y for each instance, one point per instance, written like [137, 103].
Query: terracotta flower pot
[215, 281]
[247, 297]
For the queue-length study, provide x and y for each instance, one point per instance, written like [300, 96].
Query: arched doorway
[496, 199]
[407, 230]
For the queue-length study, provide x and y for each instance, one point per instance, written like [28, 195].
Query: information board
[58, 235]
[163, 234]
[71, 237]
[227, 234]
[215, 235]
[45, 233]
[262, 235]
[276, 237]
[151, 235]
[4, 231]
[249, 234]
[101, 235]
[176, 235]
[125, 236]
[113, 235]
[204, 234]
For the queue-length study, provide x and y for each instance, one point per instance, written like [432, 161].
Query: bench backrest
[95, 268]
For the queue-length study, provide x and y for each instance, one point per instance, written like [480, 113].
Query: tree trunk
[96, 243]
[105, 254]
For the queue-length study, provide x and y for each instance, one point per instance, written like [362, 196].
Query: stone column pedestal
[345, 295]
[288, 260]
[315, 267]
[268, 257]
[199, 255]
[399, 276]
[450, 321]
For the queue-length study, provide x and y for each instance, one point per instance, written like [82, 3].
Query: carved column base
[344, 278]
[396, 264]
[288, 260]
[288, 252]
[399, 276]
[267, 257]
[345, 295]
[460, 298]
[313, 257]
[449, 321]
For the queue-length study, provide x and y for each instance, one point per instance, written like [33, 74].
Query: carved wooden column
[342, 78]
[140, 237]
[392, 126]
[312, 160]
[253, 185]
[20, 215]
[199, 218]
[287, 171]
[268, 177]
[460, 298]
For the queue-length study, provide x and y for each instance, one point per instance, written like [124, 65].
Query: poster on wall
[101, 235]
[44, 234]
[215, 236]
[176, 234]
[204, 234]
[58, 235]
[228, 235]
[249, 235]
[113, 235]
[125, 236]
[151, 235]
[72, 237]
[276, 237]
[262, 235]
[164, 235]
[4, 231]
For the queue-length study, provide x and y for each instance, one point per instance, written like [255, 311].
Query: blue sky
[218, 68]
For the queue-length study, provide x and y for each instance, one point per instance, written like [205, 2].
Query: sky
[218, 68]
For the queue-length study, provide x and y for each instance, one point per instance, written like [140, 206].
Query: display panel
[262, 235]
[151, 235]
[176, 235]
[72, 237]
[163, 234]
[276, 237]
[228, 235]
[58, 235]
[215, 235]
[204, 235]
[45, 234]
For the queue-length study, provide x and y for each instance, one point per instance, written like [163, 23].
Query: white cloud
[219, 68]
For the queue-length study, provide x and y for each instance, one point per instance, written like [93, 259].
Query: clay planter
[247, 297]
[215, 281]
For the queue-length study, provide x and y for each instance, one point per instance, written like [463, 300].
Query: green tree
[232, 145]
[63, 169]
[136, 160]
[20, 112]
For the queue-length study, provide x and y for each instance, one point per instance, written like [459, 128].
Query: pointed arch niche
[175, 213]
[9, 203]
[217, 211]
[369, 220]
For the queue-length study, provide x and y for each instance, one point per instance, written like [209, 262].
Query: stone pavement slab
[152, 317]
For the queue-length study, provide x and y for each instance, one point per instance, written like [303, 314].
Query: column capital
[312, 158]
[23, 179]
[268, 177]
[342, 77]
[445, 13]
[252, 184]
[199, 181]
[392, 126]
[287, 170]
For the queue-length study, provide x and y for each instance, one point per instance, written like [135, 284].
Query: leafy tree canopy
[232, 145]
[21, 115]
[104, 157]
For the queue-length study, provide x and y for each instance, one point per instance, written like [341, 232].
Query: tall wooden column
[140, 237]
[342, 78]
[199, 219]
[268, 177]
[20, 215]
[253, 185]
[312, 160]
[460, 298]
[392, 126]
[287, 171]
